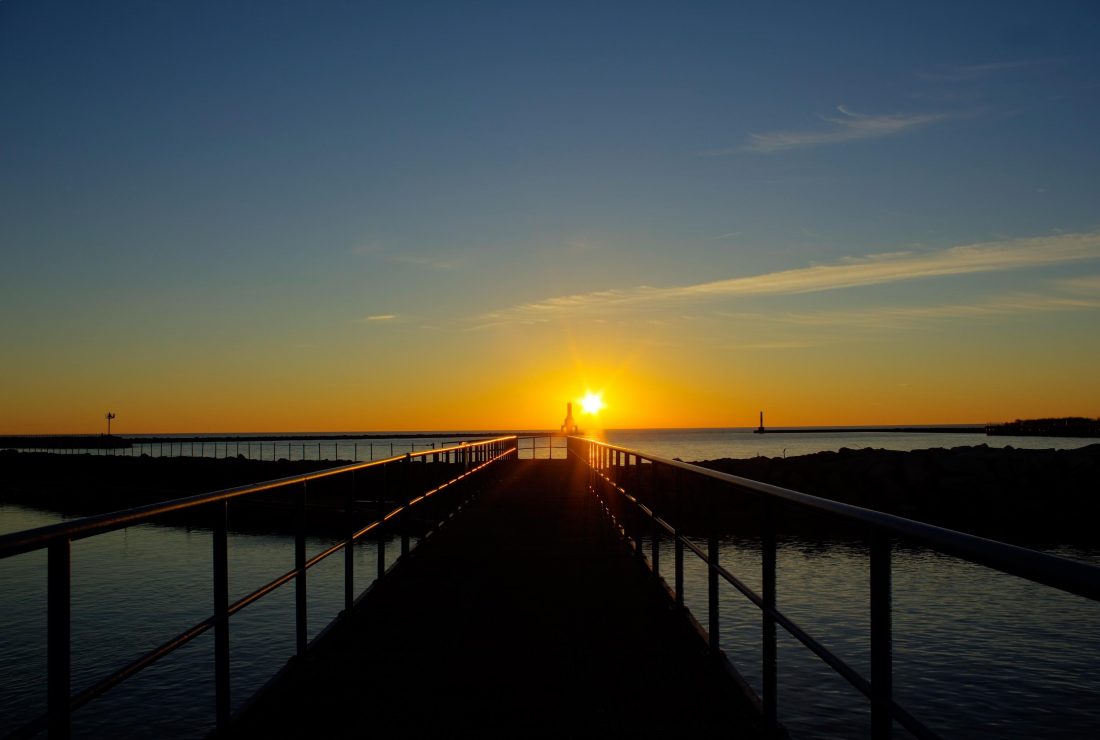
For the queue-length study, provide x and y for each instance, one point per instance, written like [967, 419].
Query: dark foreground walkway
[523, 617]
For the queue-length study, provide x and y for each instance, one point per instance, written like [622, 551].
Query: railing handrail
[606, 460]
[17, 543]
[57, 540]
[1064, 574]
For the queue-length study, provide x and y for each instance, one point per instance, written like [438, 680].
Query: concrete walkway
[523, 617]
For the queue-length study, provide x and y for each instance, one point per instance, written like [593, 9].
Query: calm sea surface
[977, 653]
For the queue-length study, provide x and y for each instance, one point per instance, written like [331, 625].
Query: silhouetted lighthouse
[569, 426]
[761, 429]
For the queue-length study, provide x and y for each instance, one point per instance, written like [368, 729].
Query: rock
[1020, 495]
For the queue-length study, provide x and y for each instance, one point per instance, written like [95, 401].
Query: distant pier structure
[760, 429]
[569, 426]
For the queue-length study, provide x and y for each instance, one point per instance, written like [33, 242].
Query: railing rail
[616, 471]
[57, 539]
[363, 450]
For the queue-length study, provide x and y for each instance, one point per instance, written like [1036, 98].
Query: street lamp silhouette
[110, 415]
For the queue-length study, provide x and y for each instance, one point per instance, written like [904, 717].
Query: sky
[290, 216]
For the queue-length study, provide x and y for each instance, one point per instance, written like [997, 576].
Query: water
[136, 588]
[977, 653]
[711, 444]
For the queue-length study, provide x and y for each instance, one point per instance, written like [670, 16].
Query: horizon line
[505, 431]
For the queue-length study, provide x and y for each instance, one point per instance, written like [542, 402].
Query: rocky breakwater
[1024, 496]
[80, 485]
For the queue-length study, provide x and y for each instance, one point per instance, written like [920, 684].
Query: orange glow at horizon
[655, 380]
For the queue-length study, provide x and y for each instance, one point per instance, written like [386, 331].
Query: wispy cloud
[898, 317]
[848, 126]
[431, 262]
[442, 262]
[870, 270]
[777, 345]
[968, 72]
[1088, 284]
[381, 317]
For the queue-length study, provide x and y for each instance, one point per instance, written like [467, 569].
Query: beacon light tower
[569, 426]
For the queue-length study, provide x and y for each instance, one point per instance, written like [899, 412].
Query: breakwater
[872, 430]
[1065, 427]
[82, 485]
[1022, 496]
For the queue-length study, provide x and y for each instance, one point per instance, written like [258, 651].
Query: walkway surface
[523, 617]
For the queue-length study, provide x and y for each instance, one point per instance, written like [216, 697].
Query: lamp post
[110, 415]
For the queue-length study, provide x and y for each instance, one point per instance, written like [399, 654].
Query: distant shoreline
[874, 430]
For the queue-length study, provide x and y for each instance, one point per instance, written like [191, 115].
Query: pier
[524, 617]
[539, 591]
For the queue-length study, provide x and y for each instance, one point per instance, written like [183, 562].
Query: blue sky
[200, 190]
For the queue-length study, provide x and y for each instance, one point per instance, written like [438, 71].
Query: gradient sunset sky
[277, 216]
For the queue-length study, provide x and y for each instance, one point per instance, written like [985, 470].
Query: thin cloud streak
[849, 126]
[894, 318]
[1085, 284]
[872, 270]
[967, 72]
[430, 262]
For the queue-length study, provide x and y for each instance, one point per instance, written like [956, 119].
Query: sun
[592, 403]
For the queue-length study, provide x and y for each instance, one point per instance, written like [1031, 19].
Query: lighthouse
[569, 426]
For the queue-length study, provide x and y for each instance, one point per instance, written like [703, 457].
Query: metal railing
[263, 450]
[542, 447]
[628, 484]
[460, 464]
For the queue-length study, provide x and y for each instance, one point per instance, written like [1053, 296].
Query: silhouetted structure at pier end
[569, 426]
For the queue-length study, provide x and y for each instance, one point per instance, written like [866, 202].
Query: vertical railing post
[300, 577]
[379, 531]
[655, 530]
[406, 496]
[769, 650]
[712, 589]
[882, 682]
[222, 703]
[405, 532]
[381, 544]
[59, 660]
[349, 553]
[679, 543]
[639, 521]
